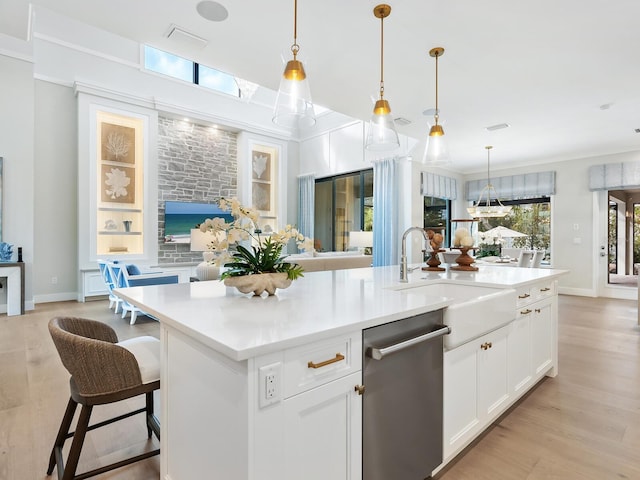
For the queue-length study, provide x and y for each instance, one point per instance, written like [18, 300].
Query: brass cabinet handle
[525, 312]
[338, 357]
[545, 289]
[537, 310]
[486, 345]
[526, 295]
[359, 389]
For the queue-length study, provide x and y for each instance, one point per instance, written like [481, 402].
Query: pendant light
[487, 210]
[382, 135]
[436, 151]
[294, 108]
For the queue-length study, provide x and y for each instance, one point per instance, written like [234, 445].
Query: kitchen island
[269, 388]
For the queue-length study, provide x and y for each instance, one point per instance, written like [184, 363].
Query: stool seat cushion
[146, 349]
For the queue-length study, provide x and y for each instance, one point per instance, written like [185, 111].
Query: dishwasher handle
[380, 353]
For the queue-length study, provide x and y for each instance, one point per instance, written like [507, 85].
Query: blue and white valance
[614, 176]
[515, 187]
[438, 186]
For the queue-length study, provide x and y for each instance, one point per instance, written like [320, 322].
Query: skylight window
[177, 67]
[168, 64]
[216, 80]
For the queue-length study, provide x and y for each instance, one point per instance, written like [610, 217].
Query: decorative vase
[127, 225]
[207, 271]
[259, 283]
[464, 261]
[434, 262]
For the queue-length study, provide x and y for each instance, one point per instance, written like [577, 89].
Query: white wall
[16, 147]
[56, 193]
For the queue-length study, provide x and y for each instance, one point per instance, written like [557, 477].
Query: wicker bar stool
[103, 371]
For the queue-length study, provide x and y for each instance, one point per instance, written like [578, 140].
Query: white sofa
[319, 261]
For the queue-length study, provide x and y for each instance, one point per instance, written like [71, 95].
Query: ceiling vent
[401, 121]
[499, 126]
[184, 38]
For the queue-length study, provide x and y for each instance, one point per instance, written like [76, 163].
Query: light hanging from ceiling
[436, 151]
[487, 210]
[294, 108]
[382, 135]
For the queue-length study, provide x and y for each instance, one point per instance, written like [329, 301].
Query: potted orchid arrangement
[254, 253]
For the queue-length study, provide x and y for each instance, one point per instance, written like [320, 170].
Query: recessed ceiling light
[212, 11]
[499, 126]
[606, 106]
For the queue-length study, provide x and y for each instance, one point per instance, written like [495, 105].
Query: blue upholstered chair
[125, 276]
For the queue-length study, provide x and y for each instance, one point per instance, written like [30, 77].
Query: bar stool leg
[62, 433]
[76, 445]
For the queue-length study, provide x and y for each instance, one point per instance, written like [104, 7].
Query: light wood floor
[582, 425]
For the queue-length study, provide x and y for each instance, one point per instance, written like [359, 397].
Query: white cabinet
[542, 337]
[475, 388]
[519, 354]
[485, 376]
[532, 338]
[309, 426]
[323, 432]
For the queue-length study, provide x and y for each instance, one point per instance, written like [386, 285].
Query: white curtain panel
[614, 176]
[306, 204]
[515, 187]
[385, 212]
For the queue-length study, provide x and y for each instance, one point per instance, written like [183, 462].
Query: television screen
[181, 217]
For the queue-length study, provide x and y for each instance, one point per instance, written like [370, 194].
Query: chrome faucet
[403, 258]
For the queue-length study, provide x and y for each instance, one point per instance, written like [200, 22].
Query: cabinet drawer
[312, 365]
[543, 290]
[523, 296]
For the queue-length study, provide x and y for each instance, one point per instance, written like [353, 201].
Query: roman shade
[515, 187]
[438, 186]
[614, 176]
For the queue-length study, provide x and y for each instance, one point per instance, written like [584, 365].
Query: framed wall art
[263, 174]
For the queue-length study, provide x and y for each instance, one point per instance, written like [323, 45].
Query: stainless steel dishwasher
[402, 402]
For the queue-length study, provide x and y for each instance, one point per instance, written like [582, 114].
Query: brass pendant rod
[381, 57]
[295, 47]
[437, 115]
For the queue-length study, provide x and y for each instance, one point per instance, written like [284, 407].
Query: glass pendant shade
[382, 135]
[294, 107]
[436, 151]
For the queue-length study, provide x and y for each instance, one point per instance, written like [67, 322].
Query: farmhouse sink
[474, 310]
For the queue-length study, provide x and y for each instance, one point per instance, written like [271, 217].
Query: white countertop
[319, 305]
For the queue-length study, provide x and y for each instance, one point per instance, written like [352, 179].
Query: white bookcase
[117, 185]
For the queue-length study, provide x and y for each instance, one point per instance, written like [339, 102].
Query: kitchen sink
[474, 310]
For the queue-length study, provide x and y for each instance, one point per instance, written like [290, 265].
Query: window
[437, 216]
[343, 204]
[216, 80]
[168, 64]
[189, 71]
[532, 217]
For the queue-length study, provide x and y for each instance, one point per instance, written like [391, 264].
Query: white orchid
[264, 255]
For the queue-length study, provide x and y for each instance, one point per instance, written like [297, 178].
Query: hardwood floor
[582, 425]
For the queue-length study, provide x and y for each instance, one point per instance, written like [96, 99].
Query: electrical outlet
[269, 378]
[54, 280]
[270, 386]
